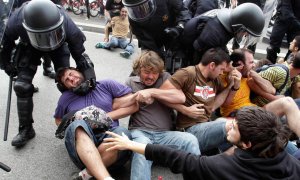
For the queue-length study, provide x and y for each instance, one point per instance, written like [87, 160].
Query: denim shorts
[123, 156]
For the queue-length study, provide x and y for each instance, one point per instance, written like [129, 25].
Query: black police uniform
[30, 59]
[150, 33]
[202, 33]
[287, 22]
[198, 7]
[113, 8]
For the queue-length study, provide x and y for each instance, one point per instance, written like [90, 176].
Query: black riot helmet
[246, 22]
[44, 24]
[140, 10]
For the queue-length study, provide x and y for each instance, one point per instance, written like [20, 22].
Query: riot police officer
[287, 22]
[156, 22]
[43, 29]
[217, 27]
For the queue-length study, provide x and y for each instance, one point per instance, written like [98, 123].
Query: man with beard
[239, 96]
[153, 123]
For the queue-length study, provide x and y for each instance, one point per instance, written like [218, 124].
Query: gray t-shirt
[154, 117]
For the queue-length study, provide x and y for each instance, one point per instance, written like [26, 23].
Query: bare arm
[286, 106]
[124, 101]
[260, 82]
[175, 95]
[167, 95]
[57, 121]
[118, 142]
[194, 111]
[234, 76]
[221, 97]
[257, 89]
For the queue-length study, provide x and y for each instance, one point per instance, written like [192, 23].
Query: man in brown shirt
[204, 94]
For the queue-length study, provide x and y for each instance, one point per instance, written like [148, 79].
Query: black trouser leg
[48, 70]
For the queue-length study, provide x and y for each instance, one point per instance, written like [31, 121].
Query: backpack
[265, 67]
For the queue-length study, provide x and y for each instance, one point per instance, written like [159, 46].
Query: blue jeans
[140, 167]
[120, 42]
[209, 134]
[291, 148]
[70, 142]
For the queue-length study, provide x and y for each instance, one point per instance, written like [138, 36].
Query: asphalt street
[45, 157]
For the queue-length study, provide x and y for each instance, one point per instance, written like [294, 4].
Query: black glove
[83, 89]
[87, 69]
[174, 32]
[10, 70]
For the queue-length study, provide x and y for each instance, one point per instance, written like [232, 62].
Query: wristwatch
[233, 89]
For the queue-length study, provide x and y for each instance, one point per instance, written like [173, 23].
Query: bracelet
[233, 89]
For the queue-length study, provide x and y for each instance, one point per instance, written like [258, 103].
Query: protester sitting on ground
[83, 145]
[293, 48]
[112, 9]
[258, 135]
[280, 77]
[152, 124]
[239, 96]
[204, 94]
[120, 28]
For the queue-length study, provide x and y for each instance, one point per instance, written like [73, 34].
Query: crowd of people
[195, 106]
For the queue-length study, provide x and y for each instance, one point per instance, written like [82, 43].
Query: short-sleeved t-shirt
[155, 116]
[276, 75]
[102, 96]
[198, 90]
[240, 99]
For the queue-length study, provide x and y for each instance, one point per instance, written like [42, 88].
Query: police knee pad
[272, 53]
[23, 89]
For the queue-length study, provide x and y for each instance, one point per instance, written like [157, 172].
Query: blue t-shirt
[102, 96]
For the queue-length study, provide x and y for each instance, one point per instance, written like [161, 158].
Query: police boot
[26, 131]
[48, 71]
[272, 53]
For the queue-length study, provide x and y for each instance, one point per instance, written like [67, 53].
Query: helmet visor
[244, 38]
[142, 11]
[47, 41]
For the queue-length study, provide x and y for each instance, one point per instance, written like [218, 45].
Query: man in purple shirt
[82, 142]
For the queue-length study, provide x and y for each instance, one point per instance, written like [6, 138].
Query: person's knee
[77, 129]
[121, 130]
[191, 143]
[23, 89]
[80, 133]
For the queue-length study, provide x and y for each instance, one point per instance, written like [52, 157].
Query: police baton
[11, 79]
[13, 60]
[4, 167]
